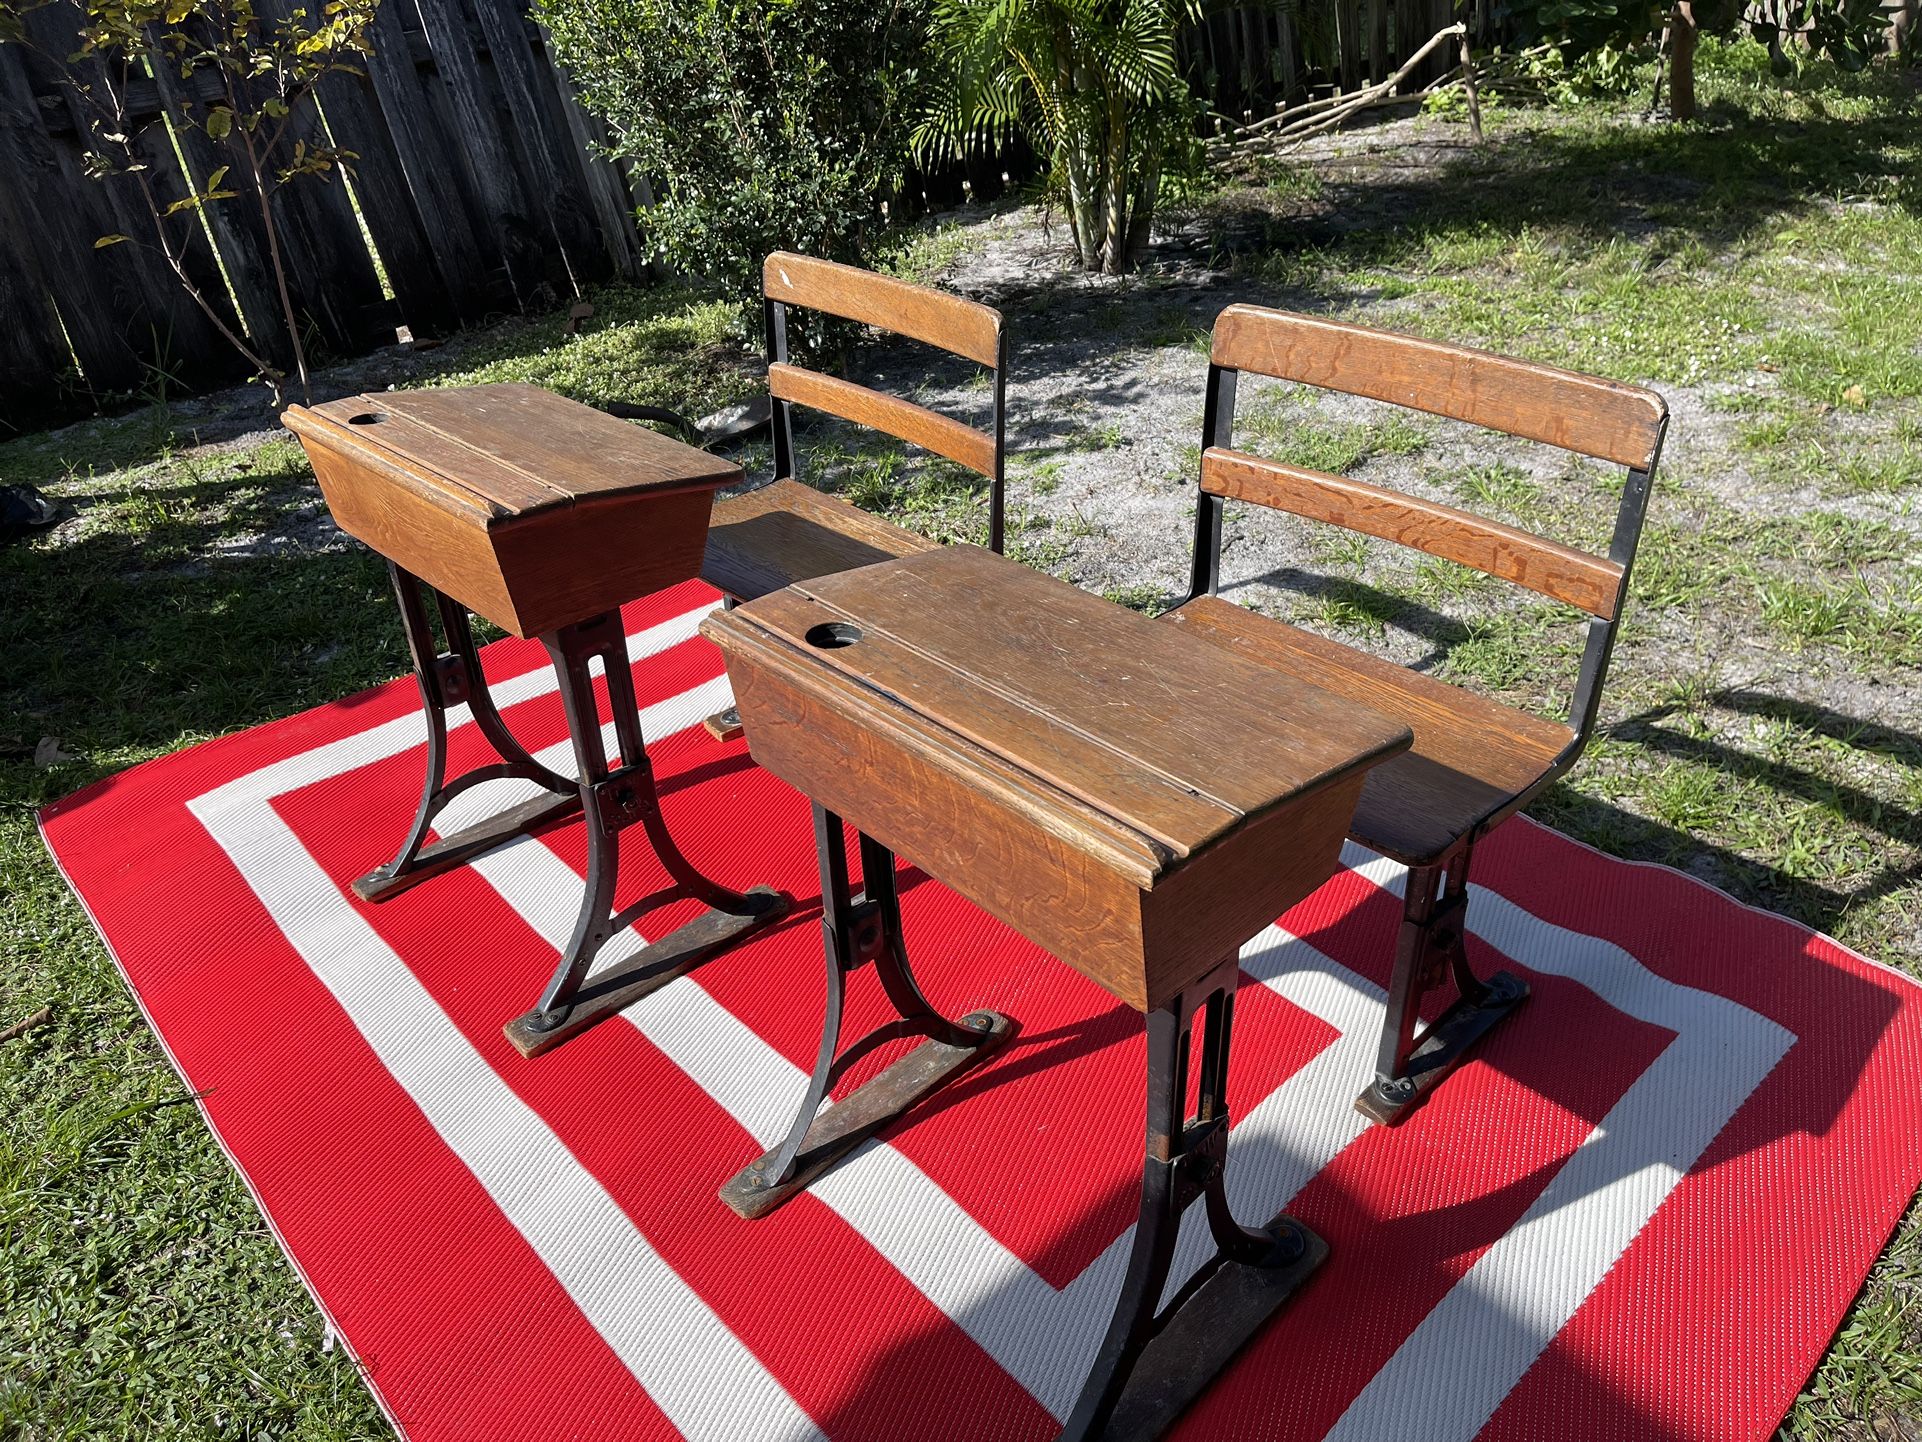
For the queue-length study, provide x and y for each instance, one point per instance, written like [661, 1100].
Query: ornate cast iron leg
[447, 679]
[854, 932]
[612, 799]
[1409, 1066]
[1156, 1360]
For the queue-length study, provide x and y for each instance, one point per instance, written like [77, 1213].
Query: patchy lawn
[1763, 726]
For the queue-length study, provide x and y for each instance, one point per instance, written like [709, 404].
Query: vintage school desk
[1135, 803]
[543, 516]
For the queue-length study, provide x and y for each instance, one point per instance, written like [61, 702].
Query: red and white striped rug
[1640, 1214]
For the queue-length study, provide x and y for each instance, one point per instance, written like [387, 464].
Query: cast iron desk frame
[611, 798]
[1154, 1360]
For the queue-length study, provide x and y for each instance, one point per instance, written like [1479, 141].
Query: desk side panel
[1052, 890]
[1204, 910]
[564, 565]
[445, 550]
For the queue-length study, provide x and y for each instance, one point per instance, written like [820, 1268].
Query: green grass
[1760, 264]
[639, 344]
[141, 1295]
[1296, 435]
[1661, 253]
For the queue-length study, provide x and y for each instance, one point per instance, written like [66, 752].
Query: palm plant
[1093, 85]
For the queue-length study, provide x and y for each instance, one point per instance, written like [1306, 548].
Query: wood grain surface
[941, 434]
[964, 327]
[1474, 761]
[530, 510]
[1591, 583]
[518, 448]
[1593, 417]
[1135, 803]
[1102, 679]
[786, 532]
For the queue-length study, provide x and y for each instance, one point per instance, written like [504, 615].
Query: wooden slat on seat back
[1589, 582]
[938, 433]
[965, 327]
[1589, 416]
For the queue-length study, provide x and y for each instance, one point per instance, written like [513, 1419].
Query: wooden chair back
[961, 327]
[1591, 417]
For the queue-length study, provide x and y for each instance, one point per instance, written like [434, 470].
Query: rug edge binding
[166, 1050]
[1731, 899]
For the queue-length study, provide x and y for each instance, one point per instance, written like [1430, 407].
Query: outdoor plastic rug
[1640, 1214]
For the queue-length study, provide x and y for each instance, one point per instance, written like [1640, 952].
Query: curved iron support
[447, 679]
[613, 797]
[1410, 1064]
[855, 932]
[1155, 1359]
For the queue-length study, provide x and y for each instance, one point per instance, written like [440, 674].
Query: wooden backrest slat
[1591, 583]
[941, 434]
[964, 327]
[1579, 413]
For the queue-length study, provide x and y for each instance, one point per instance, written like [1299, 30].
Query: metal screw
[1395, 1089]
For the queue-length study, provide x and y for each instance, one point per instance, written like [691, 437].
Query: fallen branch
[1468, 84]
[1315, 116]
[27, 1024]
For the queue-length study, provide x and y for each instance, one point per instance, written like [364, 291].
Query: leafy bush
[1094, 85]
[761, 124]
[1596, 35]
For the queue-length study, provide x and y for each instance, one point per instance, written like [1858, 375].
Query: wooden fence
[1252, 58]
[476, 182]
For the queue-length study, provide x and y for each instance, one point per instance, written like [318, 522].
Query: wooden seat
[1474, 761]
[787, 532]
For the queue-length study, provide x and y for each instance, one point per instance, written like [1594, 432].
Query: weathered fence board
[474, 181]
[117, 312]
[466, 257]
[387, 206]
[545, 146]
[479, 181]
[492, 167]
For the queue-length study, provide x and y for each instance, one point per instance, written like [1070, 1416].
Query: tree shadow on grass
[148, 632]
[1717, 181]
[1816, 904]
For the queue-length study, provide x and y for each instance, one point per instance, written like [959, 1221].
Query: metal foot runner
[1411, 1065]
[1157, 1360]
[854, 932]
[613, 798]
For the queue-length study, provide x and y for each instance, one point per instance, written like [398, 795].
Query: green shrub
[1096, 88]
[761, 124]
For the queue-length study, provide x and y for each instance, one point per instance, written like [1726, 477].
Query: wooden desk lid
[1087, 716]
[496, 453]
